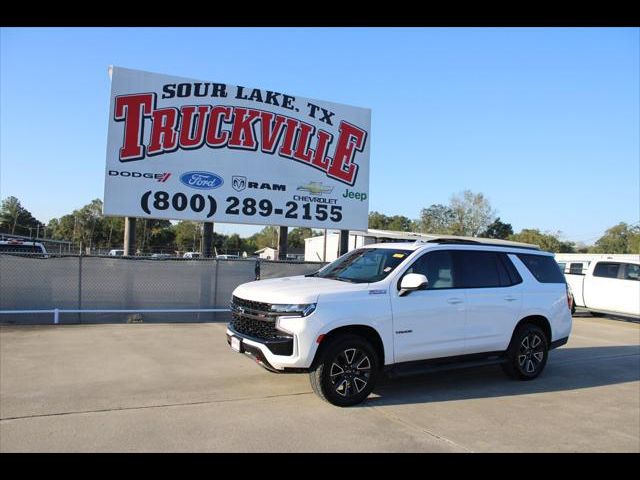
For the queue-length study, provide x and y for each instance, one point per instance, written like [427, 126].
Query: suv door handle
[454, 300]
[510, 298]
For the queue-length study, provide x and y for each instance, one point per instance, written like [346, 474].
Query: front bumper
[282, 346]
[260, 352]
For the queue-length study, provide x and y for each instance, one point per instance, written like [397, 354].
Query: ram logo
[238, 183]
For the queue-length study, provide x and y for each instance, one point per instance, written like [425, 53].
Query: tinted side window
[606, 270]
[632, 272]
[437, 267]
[514, 276]
[479, 269]
[575, 268]
[543, 268]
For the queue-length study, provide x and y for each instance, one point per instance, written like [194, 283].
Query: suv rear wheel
[527, 354]
[346, 371]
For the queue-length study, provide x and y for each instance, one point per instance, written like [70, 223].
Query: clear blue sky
[545, 122]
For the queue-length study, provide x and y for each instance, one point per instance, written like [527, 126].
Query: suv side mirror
[411, 282]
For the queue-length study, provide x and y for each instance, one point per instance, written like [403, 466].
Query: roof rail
[490, 242]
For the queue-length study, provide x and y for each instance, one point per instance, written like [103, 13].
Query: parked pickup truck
[607, 286]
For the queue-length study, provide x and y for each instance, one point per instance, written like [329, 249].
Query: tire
[527, 353]
[573, 308]
[346, 372]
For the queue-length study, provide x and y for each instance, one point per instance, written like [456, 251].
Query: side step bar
[417, 368]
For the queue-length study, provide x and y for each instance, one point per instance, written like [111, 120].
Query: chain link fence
[71, 282]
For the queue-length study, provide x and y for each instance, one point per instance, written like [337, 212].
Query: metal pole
[80, 287]
[207, 239]
[56, 316]
[129, 236]
[324, 249]
[344, 242]
[283, 242]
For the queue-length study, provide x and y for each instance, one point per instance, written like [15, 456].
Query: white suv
[406, 308]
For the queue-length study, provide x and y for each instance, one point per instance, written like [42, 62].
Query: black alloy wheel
[346, 371]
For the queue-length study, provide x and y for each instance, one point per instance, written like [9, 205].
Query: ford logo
[201, 180]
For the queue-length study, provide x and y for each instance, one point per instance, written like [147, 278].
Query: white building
[316, 251]
[268, 253]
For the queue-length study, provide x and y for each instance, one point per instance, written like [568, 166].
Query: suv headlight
[300, 309]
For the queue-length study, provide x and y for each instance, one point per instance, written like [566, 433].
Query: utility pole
[324, 248]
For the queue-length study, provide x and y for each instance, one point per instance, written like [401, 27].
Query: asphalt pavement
[179, 388]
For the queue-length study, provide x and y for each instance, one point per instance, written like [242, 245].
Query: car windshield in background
[366, 265]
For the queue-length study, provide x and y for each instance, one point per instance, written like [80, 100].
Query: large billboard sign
[194, 150]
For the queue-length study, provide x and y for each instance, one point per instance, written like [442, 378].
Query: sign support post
[207, 239]
[344, 242]
[129, 236]
[283, 243]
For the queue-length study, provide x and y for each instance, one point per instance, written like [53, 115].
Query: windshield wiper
[311, 274]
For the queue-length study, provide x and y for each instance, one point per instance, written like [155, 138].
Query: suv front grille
[255, 320]
[256, 306]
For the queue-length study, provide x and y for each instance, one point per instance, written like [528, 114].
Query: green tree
[233, 244]
[378, 220]
[498, 229]
[398, 223]
[546, 241]
[187, 236]
[154, 235]
[437, 218]
[620, 238]
[472, 213]
[297, 235]
[16, 219]
[267, 237]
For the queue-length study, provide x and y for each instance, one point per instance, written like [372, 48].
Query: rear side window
[575, 268]
[514, 276]
[479, 269]
[543, 268]
[606, 270]
[632, 272]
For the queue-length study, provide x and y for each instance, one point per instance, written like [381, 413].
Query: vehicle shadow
[567, 369]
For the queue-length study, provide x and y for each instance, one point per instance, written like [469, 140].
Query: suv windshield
[365, 265]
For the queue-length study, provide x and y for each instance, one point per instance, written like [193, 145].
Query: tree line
[466, 214]
[86, 227]
[471, 214]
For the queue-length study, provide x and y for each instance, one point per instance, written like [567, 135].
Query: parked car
[608, 286]
[21, 247]
[161, 256]
[406, 308]
[192, 255]
[227, 257]
[116, 253]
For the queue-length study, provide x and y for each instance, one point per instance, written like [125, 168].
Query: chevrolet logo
[315, 188]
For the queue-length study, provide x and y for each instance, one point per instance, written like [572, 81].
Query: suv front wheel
[527, 354]
[346, 371]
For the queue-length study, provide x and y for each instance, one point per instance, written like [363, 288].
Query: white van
[22, 247]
